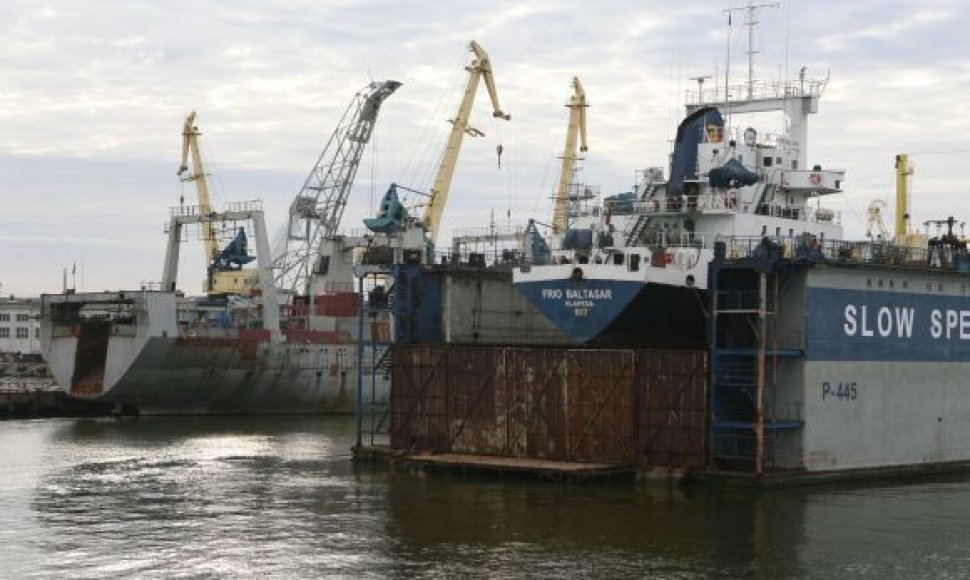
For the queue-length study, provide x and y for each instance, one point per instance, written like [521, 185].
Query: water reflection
[279, 497]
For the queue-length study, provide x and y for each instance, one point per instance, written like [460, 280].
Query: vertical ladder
[745, 357]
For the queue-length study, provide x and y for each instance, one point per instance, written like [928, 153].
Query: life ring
[815, 178]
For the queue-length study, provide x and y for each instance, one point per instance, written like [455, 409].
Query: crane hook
[498, 150]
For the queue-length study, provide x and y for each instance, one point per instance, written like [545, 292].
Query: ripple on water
[254, 497]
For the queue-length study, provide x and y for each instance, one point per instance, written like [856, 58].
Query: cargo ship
[633, 269]
[157, 351]
[250, 344]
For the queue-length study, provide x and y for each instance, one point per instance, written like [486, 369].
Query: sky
[93, 96]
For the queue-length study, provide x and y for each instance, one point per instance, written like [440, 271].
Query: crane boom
[903, 171]
[577, 126]
[190, 143]
[480, 67]
[317, 209]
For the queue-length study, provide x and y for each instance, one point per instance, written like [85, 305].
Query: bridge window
[633, 264]
[618, 259]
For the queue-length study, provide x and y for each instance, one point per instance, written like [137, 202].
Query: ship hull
[128, 350]
[622, 312]
[204, 376]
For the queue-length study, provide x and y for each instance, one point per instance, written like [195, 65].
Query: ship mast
[750, 11]
[796, 99]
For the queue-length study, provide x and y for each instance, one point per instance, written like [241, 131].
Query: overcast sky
[93, 95]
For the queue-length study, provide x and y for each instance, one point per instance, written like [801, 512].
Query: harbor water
[279, 497]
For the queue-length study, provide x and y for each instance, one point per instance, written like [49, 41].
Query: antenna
[751, 9]
[700, 86]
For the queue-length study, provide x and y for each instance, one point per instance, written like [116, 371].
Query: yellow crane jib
[190, 143]
[480, 67]
[220, 279]
[577, 128]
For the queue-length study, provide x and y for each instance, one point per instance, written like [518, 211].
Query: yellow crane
[903, 171]
[577, 127]
[219, 280]
[904, 237]
[190, 143]
[480, 67]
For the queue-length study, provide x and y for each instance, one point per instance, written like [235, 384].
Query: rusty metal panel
[536, 412]
[475, 377]
[591, 405]
[416, 398]
[672, 407]
[602, 405]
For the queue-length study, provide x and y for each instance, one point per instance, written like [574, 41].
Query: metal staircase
[374, 355]
[746, 417]
[650, 178]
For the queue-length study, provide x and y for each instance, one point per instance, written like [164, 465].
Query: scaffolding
[747, 419]
[374, 339]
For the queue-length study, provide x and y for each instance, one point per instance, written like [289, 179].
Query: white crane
[317, 209]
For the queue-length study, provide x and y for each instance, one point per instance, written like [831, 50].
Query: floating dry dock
[824, 359]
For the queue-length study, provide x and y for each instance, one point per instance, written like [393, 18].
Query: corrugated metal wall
[605, 405]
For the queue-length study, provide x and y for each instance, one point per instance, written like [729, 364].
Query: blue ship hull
[622, 313]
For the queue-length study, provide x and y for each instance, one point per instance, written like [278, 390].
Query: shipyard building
[19, 326]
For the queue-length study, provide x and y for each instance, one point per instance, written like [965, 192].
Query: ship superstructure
[633, 267]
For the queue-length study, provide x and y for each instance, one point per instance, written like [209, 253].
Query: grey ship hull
[186, 376]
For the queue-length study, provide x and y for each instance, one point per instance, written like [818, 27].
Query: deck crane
[903, 173]
[190, 143]
[480, 67]
[577, 127]
[223, 268]
[317, 209]
[875, 225]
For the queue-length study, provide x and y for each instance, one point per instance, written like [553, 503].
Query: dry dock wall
[884, 380]
[462, 305]
[887, 368]
[608, 406]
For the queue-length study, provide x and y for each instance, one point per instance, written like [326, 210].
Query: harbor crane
[480, 68]
[190, 144]
[875, 225]
[317, 209]
[224, 275]
[903, 173]
[577, 128]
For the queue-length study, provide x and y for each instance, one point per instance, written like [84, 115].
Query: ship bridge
[796, 99]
